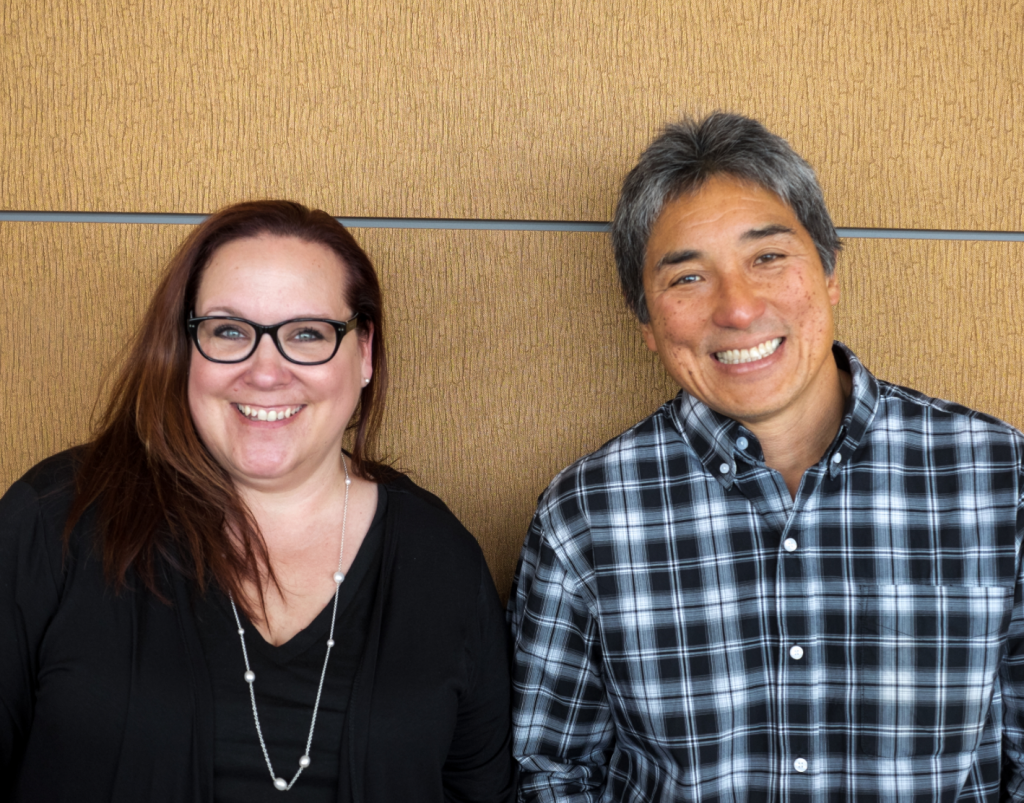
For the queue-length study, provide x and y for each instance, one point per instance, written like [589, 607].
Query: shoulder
[600, 499]
[438, 582]
[427, 531]
[408, 494]
[915, 413]
[967, 448]
[596, 484]
[897, 425]
[624, 455]
[45, 490]
[33, 514]
[56, 474]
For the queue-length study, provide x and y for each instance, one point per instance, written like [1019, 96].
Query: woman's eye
[228, 331]
[306, 336]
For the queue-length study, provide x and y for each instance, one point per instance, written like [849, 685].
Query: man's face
[740, 307]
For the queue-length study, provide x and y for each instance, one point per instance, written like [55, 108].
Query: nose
[738, 303]
[267, 366]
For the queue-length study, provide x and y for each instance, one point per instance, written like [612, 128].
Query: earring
[366, 381]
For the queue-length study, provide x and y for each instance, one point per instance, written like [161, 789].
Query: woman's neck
[302, 528]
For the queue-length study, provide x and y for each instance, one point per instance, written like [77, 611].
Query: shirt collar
[724, 445]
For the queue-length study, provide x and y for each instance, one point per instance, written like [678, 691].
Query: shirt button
[800, 765]
[789, 545]
[742, 442]
[796, 652]
[724, 468]
[837, 458]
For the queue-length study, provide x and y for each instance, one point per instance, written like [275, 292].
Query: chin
[261, 468]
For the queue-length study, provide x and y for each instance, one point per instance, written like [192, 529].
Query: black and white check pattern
[685, 631]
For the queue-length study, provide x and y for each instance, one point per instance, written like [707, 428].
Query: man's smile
[758, 352]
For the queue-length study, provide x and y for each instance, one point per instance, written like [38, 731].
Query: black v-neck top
[287, 677]
[107, 697]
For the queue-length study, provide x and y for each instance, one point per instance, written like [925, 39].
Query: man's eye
[687, 278]
[763, 258]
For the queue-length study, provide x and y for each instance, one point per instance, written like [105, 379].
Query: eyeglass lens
[302, 341]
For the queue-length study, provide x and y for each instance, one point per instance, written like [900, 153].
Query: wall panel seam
[483, 224]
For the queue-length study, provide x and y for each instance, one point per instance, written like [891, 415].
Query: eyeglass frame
[341, 327]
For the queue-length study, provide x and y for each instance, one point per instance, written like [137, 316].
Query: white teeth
[759, 352]
[257, 414]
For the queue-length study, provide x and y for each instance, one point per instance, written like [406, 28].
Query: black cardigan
[106, 697]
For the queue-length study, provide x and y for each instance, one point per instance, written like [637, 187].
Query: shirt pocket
[925, 660]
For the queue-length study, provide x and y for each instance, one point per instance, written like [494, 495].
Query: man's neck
[793, 447]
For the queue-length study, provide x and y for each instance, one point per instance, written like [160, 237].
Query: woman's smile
[271, 414]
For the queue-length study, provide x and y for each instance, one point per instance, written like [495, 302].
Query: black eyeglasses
[304, 341]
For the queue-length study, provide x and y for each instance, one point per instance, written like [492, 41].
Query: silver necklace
[250, 676]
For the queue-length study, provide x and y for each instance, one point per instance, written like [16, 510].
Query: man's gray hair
[688, 153]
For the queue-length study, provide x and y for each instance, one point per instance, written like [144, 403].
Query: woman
[213, 600]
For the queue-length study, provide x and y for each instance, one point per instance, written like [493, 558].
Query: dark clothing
[685, 630]
[107, 697]
[287, 678]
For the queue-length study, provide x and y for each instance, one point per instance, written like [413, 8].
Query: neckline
[316, 631]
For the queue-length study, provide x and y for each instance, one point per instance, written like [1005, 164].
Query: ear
[365, 335]
[832, 285]
[648, 335]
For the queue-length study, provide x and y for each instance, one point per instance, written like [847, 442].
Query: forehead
[268, 272]
[724, 205]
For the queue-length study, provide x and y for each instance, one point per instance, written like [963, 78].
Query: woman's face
[269, 279]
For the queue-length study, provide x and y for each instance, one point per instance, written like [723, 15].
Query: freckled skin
[731, 267]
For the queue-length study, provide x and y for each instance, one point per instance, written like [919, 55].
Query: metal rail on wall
[586, 227]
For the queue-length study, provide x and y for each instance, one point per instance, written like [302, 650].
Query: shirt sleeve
[1011, 683]
[479, 763]
[29, 563]
[562, 727]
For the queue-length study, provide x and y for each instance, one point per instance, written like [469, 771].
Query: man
[793, 582]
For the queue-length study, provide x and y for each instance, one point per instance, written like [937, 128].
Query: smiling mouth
[758, 352]
[264, 414]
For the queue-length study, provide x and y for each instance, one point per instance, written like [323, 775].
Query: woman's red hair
[159, 494]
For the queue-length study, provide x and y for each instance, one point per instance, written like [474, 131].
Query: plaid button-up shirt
[686, 631]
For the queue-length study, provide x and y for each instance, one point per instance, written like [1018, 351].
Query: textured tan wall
[512, 353]
[509, 368]
[518, 109]
[945, 318]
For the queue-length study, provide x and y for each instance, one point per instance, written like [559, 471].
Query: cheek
[192, 386]
[197, 381]
[202, 383]
[677, 323]
[195, 406]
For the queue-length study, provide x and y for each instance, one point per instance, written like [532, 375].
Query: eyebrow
[768, 231]
[677, 258]
[690, 254]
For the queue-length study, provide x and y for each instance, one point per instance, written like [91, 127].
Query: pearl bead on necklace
[250, 676]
